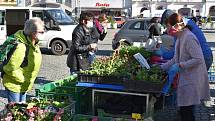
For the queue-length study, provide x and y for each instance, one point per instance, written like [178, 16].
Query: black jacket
[155, 30]
[79, 50]
[94, 35]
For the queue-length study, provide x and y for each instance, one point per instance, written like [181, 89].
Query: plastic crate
[66, 90]
[71, 80]
[81, 117]
[143, 86]
[100, 79]
[211, 73]
[67, 112]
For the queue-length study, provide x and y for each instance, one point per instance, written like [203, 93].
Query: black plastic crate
[143, 86]
[100, 79]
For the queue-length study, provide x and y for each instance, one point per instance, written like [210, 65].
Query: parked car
[134, 30]
[120, 21]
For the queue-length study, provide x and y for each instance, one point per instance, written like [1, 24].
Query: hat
[166, 14]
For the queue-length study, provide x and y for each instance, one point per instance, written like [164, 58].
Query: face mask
[172, 31]
[40, 36]
[89, 24]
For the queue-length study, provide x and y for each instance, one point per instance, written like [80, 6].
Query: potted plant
[111, 23]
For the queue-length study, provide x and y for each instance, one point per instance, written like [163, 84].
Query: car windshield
[60, 16]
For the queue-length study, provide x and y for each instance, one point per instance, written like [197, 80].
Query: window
[136, 26]
[2, 17]
[60, 16]
[38, 14]
[146, 24]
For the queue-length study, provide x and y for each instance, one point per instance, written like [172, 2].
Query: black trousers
[187, 113]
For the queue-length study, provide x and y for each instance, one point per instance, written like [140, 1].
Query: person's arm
[12, 68]
[168, 64]
[80, 48]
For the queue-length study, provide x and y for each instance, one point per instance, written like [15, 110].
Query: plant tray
[143, 86]
[100, 79]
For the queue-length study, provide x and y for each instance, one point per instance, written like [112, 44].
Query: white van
[59, 26]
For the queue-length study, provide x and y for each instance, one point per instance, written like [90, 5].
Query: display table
[114, 89]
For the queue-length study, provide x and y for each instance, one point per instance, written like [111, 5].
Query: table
[119, 92]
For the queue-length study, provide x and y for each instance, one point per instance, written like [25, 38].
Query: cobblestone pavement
[202, 113]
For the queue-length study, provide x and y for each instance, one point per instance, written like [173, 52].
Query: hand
[174, 69]
[93, 46]
[158, 52]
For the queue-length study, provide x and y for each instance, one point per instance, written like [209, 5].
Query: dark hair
[174, 18]
[194, 19]
[155, 20]
[85, 16]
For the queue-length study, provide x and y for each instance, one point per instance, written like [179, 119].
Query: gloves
[158, 52]
[174, 69]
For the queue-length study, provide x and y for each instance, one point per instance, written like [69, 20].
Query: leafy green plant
[111, 20]
[124, 65]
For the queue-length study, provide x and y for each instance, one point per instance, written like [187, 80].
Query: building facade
[112, 7]
[187, 7]
[129, 7]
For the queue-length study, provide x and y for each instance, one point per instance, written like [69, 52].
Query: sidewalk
[202, 113]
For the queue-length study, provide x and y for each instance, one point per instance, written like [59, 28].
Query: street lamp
[79, 2]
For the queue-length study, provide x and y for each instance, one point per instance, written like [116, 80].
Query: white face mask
[40, 36]
[89, 24]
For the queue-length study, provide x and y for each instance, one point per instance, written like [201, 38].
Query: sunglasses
[41, 32]
[178, 24]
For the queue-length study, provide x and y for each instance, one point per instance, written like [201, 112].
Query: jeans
[91, 57]
[16, 97]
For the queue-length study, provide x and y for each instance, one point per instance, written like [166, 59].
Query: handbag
[82, 62]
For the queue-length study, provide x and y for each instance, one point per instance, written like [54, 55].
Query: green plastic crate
[66, 90]
[81, 117]
[71, 80]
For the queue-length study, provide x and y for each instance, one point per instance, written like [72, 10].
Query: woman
[188, 61]
[77, 58]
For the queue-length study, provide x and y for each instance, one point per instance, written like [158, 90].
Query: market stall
[132, 71]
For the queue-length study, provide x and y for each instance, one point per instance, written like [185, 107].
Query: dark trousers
[187, 113]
